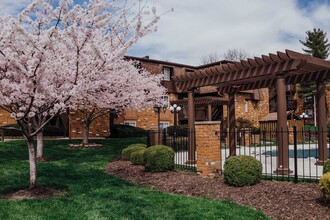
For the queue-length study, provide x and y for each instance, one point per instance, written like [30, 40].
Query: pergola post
[282, 130]
[232, 124]
[209, 112]
[321, 124]
[191, 127]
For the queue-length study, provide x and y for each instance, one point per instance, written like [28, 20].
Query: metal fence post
[148, 138]
[295, 154]
[164, 136]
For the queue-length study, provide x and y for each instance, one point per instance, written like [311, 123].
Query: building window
[308, 99]
[246, 106]
[166, 100]
[164, 124]
[130, 123]
[309, 112]
[166, 73]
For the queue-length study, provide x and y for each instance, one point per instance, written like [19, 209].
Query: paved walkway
[268, 157]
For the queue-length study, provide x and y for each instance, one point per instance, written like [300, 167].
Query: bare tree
[235, 54]
[211, 58]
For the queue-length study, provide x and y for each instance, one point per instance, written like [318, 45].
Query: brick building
[210, 105]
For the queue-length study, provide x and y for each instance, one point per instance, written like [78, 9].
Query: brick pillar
[208, 147]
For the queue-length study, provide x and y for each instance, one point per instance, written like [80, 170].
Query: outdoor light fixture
[303, 115]
[157, 109]
[175, 110]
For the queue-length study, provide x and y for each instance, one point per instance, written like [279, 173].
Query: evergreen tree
[316, 43]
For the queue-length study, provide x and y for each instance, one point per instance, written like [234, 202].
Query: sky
[197, 28]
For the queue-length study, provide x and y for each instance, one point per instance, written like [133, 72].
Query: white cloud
[197, 28]
[12, 7]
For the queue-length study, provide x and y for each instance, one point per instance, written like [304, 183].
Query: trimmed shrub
[126, 153]
[326, 167]
[137, 157]
[242, 171]
[126, 131]
[48, 131]
[159, 158]
[325, 186]
[53, 131]
[181, 130]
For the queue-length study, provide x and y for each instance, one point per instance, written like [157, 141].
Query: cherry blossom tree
[135, 88]
[44, 51]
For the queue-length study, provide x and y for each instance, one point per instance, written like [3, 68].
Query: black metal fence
[303, 152]
[178, 141]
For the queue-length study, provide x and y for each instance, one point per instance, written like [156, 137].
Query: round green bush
[126, 153]
[137, 157]
[159, 158]
[326, 167]
[325, 186]
[242, 171]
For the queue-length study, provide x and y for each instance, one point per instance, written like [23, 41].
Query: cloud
[12, 7]
[198, 28]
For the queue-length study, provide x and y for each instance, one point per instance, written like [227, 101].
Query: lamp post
[175, 109]
[157, 109]
[304, 116]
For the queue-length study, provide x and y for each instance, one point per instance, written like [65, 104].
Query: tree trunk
[85, 134]
[33, 164]
[40, 144]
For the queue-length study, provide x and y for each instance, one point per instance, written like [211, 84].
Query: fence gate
[177, 139]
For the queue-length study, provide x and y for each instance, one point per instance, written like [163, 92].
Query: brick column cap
[207, 122]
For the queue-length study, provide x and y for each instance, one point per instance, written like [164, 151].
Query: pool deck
[267, 156]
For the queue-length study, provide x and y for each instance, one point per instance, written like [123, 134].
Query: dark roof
[189, 67]
[273, 116]
[203, 101]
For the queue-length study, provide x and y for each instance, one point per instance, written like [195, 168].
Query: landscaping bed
[279, 200]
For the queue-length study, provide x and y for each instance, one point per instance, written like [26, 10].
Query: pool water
[301, 153]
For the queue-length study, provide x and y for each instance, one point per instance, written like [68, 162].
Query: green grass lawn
[93, 194]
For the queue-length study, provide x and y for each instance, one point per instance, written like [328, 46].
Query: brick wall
[98, 128]
[146, 118]
[208, 148]
[255, 109]
[5, 118]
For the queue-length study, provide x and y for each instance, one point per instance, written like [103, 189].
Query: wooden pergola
[273, 70]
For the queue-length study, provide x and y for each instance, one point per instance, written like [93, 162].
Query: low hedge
[48, 131]
[126, 131]
[126, 153]
[326, 167]
[242, 171]
[159, 158]
[181, 130]
[325, 186]
[137, 157]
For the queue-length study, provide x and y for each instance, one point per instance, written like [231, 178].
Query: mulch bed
[277, 199]
[44, 159]
[88, 146]
[36, 193]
